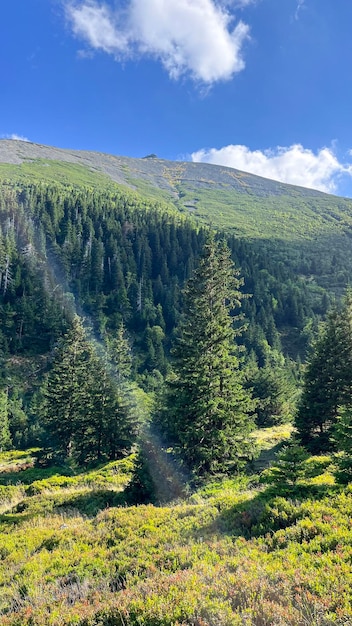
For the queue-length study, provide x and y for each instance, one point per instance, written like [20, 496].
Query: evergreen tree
[342, 435]
[207, 408]
[120, 356]
[273, 389]
[106, 428]
[5, 436]
[17, 418]
[288, 467]
[67, 393]
[141, 489]
[85, 415]
[328, 380]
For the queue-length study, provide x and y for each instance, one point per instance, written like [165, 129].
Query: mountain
[241, 203]
[125, 233]
[115, 239]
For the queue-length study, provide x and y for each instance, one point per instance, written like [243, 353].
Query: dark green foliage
[114, 424]
[141, 489]
[85, 416]
[207, 410]
[123, 259]
[5, 435]
[18, 420]
[328, 380]
[66, 395]
[126, 258]
[273, 389]
[288, 468]
[120, 356]
[29, 316]
[342, 435]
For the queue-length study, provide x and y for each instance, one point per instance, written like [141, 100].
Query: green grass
[38, 490]
[268, 442]
[283, 217]
[147, 190]
[230, 554]
[50, 171]
[266, 438]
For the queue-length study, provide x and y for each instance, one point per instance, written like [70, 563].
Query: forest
[118, 260]
[175, 418]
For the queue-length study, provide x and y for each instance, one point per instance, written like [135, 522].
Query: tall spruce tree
[84, 413]
[67, 391]
[120, 356]
[328, 380]
[207, 410]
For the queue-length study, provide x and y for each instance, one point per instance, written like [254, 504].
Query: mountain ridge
[226, 199]
[18, 151]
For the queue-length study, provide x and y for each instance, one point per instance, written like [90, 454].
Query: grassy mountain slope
[231, 554]
[247, 205]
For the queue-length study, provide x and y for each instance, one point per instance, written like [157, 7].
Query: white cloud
[95, 23]
[240, 3]
[295, 164]
[15, 137]
[299, 7]
[189, 37]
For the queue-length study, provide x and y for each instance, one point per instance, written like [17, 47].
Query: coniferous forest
[175, 418]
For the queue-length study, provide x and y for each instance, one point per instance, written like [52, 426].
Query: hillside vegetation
[248, 205]
[165, 457]
[230, 554]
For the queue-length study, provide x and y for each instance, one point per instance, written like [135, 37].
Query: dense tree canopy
[125, 259]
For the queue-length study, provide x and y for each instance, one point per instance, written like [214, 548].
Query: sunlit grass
[231, 553]
[15, 458]
[266, 438]
[51, 171]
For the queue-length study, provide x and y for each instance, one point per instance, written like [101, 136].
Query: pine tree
[288, 467]
[67, 391]
[85, 413]
[328, 380]
[207, 408]
[18, 420]
[342, 435]
[120, 356]
[5, 436]
[106, 428]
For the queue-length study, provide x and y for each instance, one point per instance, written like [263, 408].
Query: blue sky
[261, 85]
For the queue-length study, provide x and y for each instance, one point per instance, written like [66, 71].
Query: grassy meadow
[233, 552]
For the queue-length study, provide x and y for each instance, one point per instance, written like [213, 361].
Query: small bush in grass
[288, 468]
[141, 489]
